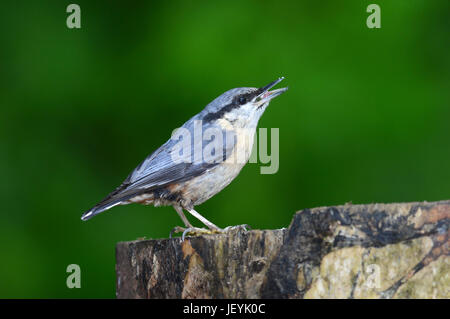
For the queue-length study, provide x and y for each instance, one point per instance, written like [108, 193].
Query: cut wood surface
[349, 251]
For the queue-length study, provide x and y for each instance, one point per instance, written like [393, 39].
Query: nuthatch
[167, 177]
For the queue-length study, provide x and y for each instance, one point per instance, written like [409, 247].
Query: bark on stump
[350, 251]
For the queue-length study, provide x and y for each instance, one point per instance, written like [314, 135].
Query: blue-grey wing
[178, 159]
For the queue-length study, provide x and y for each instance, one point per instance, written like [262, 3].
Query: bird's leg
[195, 231]
[190, 230]
[210, 225]
[186, 222]
[214, 229]
[182, 216]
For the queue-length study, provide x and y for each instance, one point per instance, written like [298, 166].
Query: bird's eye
[242, 100]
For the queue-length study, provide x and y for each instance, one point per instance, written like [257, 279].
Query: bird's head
[242, 107]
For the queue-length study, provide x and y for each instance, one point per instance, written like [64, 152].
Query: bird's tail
[117, 197]
[100, 207]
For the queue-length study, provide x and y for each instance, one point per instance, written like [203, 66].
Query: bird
[184, 172]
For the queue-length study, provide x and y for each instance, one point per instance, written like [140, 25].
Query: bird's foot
[195, 231]
[243, 227]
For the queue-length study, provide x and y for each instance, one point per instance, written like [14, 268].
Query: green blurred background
[366, 118]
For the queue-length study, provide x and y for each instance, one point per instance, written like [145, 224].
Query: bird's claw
[244, 227]
[195, 231]
[176, 230]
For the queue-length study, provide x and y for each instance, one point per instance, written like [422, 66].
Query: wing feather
[162, 168]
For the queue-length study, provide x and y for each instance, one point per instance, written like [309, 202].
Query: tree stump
[349, 251]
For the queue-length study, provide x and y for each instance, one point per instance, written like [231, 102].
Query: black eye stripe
[229, 107]
[244, 98]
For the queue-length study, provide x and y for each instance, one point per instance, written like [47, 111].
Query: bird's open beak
[265, 95]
